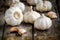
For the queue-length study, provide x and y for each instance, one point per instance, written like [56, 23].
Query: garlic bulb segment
[43, 23]
[31, 16]
[32, 2]
[20, 5]
[44, 6]
[52, 14]
[10, 2]
[13, 16]
[2, 20]
[22, 31]
[14, 29]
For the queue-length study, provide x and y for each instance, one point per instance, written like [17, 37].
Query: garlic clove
[22, 31]
[52, 14]
[14, 29]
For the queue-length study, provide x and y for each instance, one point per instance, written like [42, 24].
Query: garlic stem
[43, 15]
[31, 8]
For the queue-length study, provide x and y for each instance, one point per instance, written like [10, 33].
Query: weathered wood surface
[52, 34]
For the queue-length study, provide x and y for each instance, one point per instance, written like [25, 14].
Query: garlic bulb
[44, 6]
[32, 2]
[43, 23]
[13, 16]
[31, 16]
[20, 5]
[10, 2]
[52, 14]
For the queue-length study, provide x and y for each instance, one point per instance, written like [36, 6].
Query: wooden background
[52, 34]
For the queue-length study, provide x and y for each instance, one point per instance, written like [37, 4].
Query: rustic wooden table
[52, 34]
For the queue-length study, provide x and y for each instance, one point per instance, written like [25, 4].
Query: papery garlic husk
[22, 31]
[13, 16]
[31, 16]
[20, 5]
[10, 2]
[43, 23]
[2, 18]
[13, 29]
[52, 14]
[32, 2]
[46, 6]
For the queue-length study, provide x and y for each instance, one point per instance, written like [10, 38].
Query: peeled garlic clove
[31, 16]
[14, 29]
[43, 23]
[44, 6]
[20, 5]
[2, 18]
[32, 2]
[13, 16]
[52, 14]
[22, 31]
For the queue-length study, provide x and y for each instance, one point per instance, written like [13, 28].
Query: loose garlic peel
[31, 16]
[22, 31]
[16, 15]
[43, 23]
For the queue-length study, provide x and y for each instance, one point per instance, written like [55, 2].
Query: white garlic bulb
[20, 5]
[32, 2]
[43, 23]
[13, 16]
[31, 16]
[44, 6]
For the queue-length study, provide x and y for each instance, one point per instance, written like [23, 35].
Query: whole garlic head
[43, 23]
[31, 16]
[20, 5]
[44, 6]
[32, 2]
[13, 16]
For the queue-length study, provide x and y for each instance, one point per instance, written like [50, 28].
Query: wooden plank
[53, 33]
[14, 36]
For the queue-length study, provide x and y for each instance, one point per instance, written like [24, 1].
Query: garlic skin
[32, 2]
[20, 5]
[31, 16]
[52, 14]
[43, 23]
[44, 6]
[22, 31]
[14, 29]
[13, 16]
